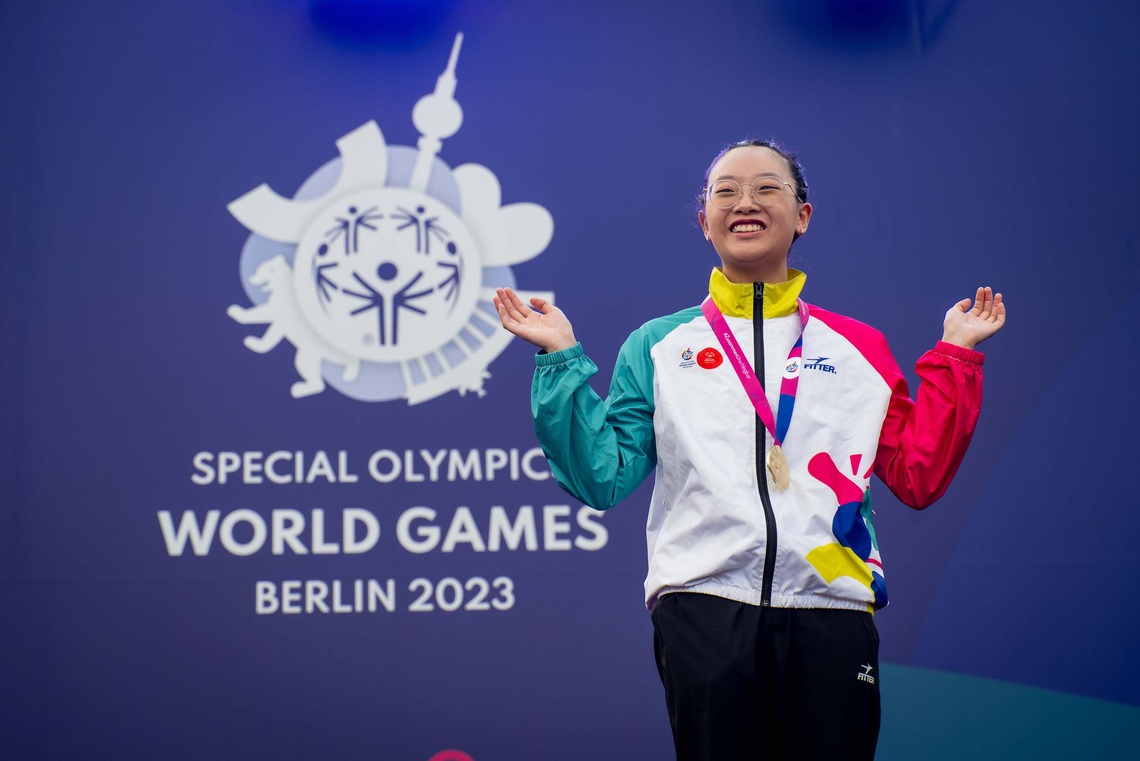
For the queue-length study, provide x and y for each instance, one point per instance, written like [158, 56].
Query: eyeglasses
[724, 194]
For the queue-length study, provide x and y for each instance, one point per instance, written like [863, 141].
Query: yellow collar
[736, 299]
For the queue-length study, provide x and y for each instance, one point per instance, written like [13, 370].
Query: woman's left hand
[968, 327]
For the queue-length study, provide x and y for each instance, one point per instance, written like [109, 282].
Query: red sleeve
[922, 443]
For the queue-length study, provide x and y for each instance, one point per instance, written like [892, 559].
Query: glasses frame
[751, 191]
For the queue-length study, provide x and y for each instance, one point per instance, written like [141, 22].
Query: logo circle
[792, 368]
[709, 358]
[387, 274]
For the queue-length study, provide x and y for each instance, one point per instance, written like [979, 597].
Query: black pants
[745, 682]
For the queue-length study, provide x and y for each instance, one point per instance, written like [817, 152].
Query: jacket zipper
[761, 449]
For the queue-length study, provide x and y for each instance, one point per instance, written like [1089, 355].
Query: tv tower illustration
[437, 116]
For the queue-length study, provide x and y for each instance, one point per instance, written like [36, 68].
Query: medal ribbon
[777, 427]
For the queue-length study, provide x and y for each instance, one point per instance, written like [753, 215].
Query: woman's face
[753, 240]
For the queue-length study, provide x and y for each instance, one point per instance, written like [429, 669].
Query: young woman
[763, 418]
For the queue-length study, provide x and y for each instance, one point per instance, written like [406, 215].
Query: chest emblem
[709, 358]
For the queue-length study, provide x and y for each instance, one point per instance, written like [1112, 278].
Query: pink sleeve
[922, 443]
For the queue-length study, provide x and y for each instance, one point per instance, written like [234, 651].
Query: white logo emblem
[380, 270]
[866, 675]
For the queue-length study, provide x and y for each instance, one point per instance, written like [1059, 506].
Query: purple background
[947, 145]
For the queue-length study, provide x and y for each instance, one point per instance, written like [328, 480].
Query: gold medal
[778, 467]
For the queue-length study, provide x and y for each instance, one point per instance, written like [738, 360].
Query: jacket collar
[736, 299]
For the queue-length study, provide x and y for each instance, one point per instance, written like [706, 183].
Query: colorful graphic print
[856, 554]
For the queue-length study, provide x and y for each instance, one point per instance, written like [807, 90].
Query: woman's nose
[745, 199]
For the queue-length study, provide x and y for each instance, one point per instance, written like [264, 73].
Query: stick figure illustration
[387, 272]
[322, 281]
[451, 282]
[350, 228]
[425, 228]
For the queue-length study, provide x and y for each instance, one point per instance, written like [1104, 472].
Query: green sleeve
[599, 451]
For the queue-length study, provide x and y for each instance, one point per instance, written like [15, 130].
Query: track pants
[745, 682]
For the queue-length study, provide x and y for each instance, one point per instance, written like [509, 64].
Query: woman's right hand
[544, 325]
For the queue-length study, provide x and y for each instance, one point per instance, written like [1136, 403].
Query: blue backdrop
[471, 605]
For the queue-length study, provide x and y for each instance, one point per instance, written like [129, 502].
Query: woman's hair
[791, 158]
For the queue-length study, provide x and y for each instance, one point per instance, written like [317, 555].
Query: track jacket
[717, 524]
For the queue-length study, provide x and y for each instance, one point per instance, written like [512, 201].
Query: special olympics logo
[381, 269]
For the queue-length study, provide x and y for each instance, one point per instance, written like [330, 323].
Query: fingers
[962, 306]
[510, 308]
[508, 302]
[999, 310]
[979, 300]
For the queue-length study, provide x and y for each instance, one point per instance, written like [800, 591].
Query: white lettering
[496, 460]
[338, 605]
[464, 469]
[342, 474]
[202, 462]
[290, 597]
[271, 473]
[228, 462]
[386, 596]
[502, 530]
[553, 528]
[266, 596]
[352, 545]
[528, 469]
[200, 538]
[226, 536]
[287, 528]
[588, 521]
[315, 594]
[320, 546]
[427, 537]
[321, 468]
[374, 466]
[463, 529]
[251, 467]
[410, 474]
[433, 462]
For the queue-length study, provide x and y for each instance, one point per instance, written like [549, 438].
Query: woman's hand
[545, 325]
[968, 327]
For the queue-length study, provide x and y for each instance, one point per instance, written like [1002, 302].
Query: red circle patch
[709, 358]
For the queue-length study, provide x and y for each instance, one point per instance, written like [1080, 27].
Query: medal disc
[778, 467]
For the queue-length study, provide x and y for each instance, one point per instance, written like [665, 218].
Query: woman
[764, 570]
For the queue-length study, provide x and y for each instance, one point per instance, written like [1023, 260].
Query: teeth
[747, 228]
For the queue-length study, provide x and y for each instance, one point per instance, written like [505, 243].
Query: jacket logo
[866, 675]
[709, 358]
[818, 364]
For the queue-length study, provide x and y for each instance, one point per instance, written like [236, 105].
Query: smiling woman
[752, 213]
[764, 567]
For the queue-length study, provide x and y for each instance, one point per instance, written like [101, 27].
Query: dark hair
[772, 145]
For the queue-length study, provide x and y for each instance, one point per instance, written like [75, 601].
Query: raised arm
[922, 442]
[598, 450]
[968, 326]
[542, 323]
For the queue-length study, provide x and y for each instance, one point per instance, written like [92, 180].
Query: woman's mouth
[746, 226]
